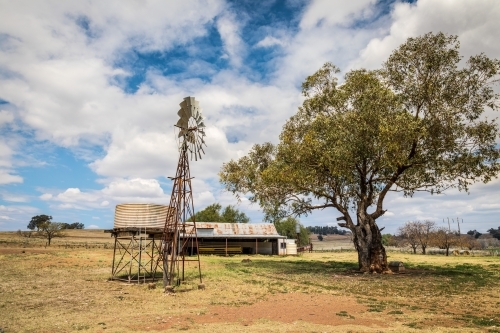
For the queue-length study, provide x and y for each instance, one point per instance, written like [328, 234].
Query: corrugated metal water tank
[291, 247]
[139, 215]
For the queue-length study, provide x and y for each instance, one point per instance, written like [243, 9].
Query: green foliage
[495, 233]
[326, 230]
[474, 233]
[213, 213]
[209, 214]
[414, 125]
[287, 227]
[76, 225]
[50, 230]
[230, 214]
[388, 240]
[37, 220]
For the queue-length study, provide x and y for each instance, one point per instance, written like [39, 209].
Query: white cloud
[335, 12]
[475, 22]
[229, 32]
[269, 41]
[115, 192]
[46, 196]
[6, 177]
[92, 226]
[7, 174]
[63, 85]
[6, 117]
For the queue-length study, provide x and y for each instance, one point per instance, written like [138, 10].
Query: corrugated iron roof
[239, 229]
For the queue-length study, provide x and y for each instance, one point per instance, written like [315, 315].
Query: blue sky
[89, 93]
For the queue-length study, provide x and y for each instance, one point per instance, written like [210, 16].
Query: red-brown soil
[286, 308]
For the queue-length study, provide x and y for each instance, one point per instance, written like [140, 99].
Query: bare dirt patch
[288, 308]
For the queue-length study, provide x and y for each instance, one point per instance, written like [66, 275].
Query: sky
[89, 94]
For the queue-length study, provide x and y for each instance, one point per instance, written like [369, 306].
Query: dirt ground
[286, 308]
[59, 289]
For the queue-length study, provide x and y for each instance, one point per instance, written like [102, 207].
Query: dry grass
[60, 289]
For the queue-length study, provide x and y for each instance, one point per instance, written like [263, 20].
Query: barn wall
[262, 248]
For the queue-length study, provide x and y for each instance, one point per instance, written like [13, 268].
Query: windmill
[179, 235]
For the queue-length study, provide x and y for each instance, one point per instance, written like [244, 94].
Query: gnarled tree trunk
[368, 242]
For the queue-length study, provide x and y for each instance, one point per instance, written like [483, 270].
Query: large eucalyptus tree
[417, 124]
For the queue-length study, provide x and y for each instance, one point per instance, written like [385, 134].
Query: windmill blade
[181, 113]
[182, 122]
[182, 133]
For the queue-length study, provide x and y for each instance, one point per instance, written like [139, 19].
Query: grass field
[65, 288]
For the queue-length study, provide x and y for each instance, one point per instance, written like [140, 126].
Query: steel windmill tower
[180, 239]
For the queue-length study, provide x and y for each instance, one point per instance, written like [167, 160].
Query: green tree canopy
[213, 213]
[495, 232]
[37, 220]
[75, 225]
[474, 233]
[414, 125]
[287, 227]
[50, 230]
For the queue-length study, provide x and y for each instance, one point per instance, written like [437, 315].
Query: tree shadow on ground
[477, 275]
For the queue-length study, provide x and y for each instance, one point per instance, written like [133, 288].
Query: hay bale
[456, 252]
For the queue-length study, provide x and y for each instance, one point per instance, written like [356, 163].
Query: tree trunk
[414, 249]
[423, 249]
[368, 242]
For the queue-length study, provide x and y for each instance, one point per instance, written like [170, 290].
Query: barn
[239, 238]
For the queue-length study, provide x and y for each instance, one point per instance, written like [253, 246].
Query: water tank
[139, 215]
[291, 248]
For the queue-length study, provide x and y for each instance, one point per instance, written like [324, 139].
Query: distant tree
[326, 230]
[26, 234]
[230, 214]
[469, 242]
[409, 235]
[320, 238]
[287, 227]
[213, 213]
[474, 233]
[495, 233]
[37, 220]
[424, 230]
[389, 240]
[209, 214]
[417, 233]
[49, 230]
[444, 239]
[76, 225]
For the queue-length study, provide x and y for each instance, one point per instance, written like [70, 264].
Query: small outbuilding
[238, 238]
